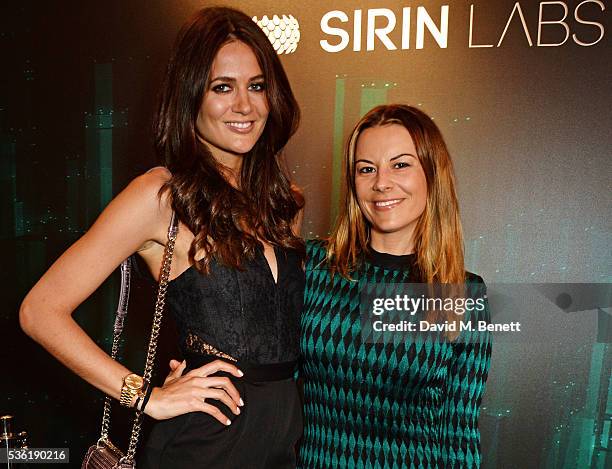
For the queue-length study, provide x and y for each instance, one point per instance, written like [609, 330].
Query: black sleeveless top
[243, 314]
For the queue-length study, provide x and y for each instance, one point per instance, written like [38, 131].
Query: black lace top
[240, 315]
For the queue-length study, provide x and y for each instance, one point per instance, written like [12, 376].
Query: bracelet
[137, 403]
[145, 399]
[140, 396]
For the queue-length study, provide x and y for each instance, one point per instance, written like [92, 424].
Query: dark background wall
[528, 127]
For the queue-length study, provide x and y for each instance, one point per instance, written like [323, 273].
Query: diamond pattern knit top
[412, 403]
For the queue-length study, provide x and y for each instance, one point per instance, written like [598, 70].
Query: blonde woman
[407, 403]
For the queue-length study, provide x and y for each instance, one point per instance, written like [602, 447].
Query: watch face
[134, 381]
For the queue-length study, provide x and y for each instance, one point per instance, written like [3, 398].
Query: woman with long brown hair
[410, 400]
[236, 286]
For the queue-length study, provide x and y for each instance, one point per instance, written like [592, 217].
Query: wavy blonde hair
[438, 237]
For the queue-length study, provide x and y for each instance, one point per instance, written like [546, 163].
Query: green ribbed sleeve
[465, 384]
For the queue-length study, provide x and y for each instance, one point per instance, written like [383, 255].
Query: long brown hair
[226, 221]
[438, 235]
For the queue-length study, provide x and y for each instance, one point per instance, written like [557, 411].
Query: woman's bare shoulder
[140, 208]
[153, 180]
[160, 172]
[144, 190]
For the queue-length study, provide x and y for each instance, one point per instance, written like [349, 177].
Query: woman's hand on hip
[191, 391]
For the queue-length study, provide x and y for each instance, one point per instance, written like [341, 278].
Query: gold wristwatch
[133, 385]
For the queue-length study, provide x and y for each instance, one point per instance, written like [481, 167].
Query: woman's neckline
[390, 261]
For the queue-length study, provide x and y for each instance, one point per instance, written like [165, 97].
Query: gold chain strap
[157, 319]
[160, 303]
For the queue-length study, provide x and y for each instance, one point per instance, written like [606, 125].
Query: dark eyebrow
[232, 80]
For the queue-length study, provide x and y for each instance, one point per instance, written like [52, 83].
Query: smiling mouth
[240, 127]
[386, 204]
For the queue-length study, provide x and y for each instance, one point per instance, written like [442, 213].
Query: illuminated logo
[390, 29]
[283, 33]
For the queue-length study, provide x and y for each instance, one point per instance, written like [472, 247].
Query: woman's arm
[132, 219]
[465, 385]
[135, 219]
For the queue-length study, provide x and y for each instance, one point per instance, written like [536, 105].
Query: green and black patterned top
[408, 404]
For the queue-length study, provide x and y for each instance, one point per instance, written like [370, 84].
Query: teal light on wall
[511, 257]
[99, 135]
[100, 126]
[352, 95]
[11, 215]
[472, 253]
[338, 146]
[73, 191]
[372, 95]
[597, 440]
